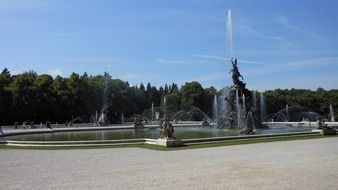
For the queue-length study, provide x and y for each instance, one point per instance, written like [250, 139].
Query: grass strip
[161, 148]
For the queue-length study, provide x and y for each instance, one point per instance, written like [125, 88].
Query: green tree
[192, 95]
[173, 102]
[44, 98]
[63, 100]
[5, 97]
[24, 93]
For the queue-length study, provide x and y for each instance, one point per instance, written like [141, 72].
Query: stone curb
[149, 141]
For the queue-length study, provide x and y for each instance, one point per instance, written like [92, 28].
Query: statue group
[241, 112]
[167, 129]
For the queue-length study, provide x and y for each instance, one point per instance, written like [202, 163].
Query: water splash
[152, 112]
[214, 109]
[165, 106]
[243, 100]
[250, 122]
[223, 108]
[331, 113]
[254, 98]
[229, 34]
[262, 107]
[287, 112]
[103, 119]
[238, 110]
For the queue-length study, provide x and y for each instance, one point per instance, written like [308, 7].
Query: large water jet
[229, 34]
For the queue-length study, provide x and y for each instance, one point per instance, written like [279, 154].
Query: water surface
[180, 132]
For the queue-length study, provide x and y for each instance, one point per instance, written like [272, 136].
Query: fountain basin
[127, 135]
[160, 142]
[128, 132]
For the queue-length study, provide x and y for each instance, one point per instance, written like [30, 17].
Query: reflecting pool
[154, 133]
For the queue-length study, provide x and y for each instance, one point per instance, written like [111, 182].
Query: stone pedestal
[328, 131]
[169, 142]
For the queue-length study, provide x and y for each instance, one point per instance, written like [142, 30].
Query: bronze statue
[167, 129]
[235, 73]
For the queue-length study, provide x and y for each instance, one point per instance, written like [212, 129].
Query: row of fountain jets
[219, 110]
[220, 106]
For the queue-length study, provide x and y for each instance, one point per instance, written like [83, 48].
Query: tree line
[302, 100]
[32, 97]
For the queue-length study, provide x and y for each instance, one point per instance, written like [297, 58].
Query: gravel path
[303, 164]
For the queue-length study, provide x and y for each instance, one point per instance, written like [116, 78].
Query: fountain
[122, 118]
[94, 119]
[238, 109]
[262, 107]
[152, 113]
[294, 114]
[287, 112]
[331, 113]
[166, 138]
[254, 98]
[235, 111]
[239, 106]
[214, 109]
[157, 115]
[103, 119]
[165, 107]
[229, 33]
[188, 114]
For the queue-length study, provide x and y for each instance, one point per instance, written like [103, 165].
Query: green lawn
[192, 146]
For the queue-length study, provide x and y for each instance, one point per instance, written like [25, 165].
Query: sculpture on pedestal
[239, 109]
[167, 129]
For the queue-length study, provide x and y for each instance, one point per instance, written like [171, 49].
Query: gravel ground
[302, 164]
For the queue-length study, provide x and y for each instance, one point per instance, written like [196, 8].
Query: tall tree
[5, 97]
[44, 98]
[192, 94]
[24, 94]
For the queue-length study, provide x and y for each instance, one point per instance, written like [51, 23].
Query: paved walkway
[304, 164]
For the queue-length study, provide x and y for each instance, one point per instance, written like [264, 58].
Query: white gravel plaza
[301, 164]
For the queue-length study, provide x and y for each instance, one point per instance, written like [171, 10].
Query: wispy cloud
[215, 57]
[178, 62]
[93, 60]
[248, 29]
[291, 66]
[16, 72]
[301, 82]
[127, 76]
[207, 77]
[10, 5]
[289, 47]
[55, 72]
[208, 3]
[284, 21]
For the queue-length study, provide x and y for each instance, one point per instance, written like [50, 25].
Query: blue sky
[278, 43]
